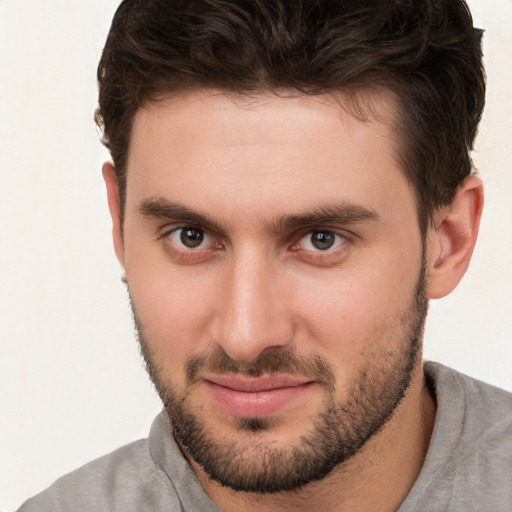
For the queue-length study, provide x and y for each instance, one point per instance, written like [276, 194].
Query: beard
[255, 462]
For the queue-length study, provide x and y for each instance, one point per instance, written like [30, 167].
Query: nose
[253, 313]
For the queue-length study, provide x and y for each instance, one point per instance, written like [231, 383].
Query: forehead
[221, 109]
[279, 149]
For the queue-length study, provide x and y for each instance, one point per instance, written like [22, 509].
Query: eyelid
[347, 235]
[182, 255]
[319, 256]
[176, 235]
[217, 243]
[307, 238]
[171, 228]
[176, 248]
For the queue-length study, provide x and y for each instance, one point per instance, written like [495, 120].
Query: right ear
[114, 205]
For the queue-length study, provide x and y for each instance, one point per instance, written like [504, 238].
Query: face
[274, 264]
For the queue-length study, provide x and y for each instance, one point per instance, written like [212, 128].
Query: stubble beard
[253, 462]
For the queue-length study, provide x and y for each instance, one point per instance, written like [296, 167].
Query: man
[291, 183]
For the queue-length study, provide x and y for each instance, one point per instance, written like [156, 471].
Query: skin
[257, 284]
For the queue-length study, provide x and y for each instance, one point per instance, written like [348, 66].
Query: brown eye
[321, 240]
[190, 238]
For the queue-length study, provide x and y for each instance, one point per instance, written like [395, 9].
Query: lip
[255, 397]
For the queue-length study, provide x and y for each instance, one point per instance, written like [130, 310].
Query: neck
[379, 477]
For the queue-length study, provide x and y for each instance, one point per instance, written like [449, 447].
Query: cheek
[358, 312]
[174, 307]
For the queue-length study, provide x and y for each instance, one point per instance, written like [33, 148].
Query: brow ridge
[332, 213]
[165, 209]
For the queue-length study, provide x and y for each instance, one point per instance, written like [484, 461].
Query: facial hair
[339, 431]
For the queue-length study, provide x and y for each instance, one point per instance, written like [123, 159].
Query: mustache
[270, 362]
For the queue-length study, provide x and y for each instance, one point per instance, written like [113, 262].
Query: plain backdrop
[72, 385]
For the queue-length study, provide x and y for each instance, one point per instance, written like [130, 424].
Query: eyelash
[188, 254]
[293, 244]
[327, 257]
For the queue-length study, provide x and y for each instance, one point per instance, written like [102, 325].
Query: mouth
[255, 397]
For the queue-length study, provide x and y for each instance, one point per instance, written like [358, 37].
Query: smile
[260, 397]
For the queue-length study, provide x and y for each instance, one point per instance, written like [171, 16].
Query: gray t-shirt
[468, 466]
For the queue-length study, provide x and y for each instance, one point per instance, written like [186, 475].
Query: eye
[190, 238]
[321, 240]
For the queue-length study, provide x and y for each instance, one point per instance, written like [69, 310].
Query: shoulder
[468, 465]
[126, 480]
[477, 408]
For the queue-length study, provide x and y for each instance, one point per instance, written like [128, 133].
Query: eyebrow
[161, 208]
[334, 213]
[339, 213]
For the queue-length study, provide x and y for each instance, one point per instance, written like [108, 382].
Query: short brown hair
[425, 51]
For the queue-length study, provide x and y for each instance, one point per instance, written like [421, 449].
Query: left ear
[451, 240]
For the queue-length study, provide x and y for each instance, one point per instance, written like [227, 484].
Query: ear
[451, 240]
[114, 205]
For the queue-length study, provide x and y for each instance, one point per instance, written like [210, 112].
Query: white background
[72, 386]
